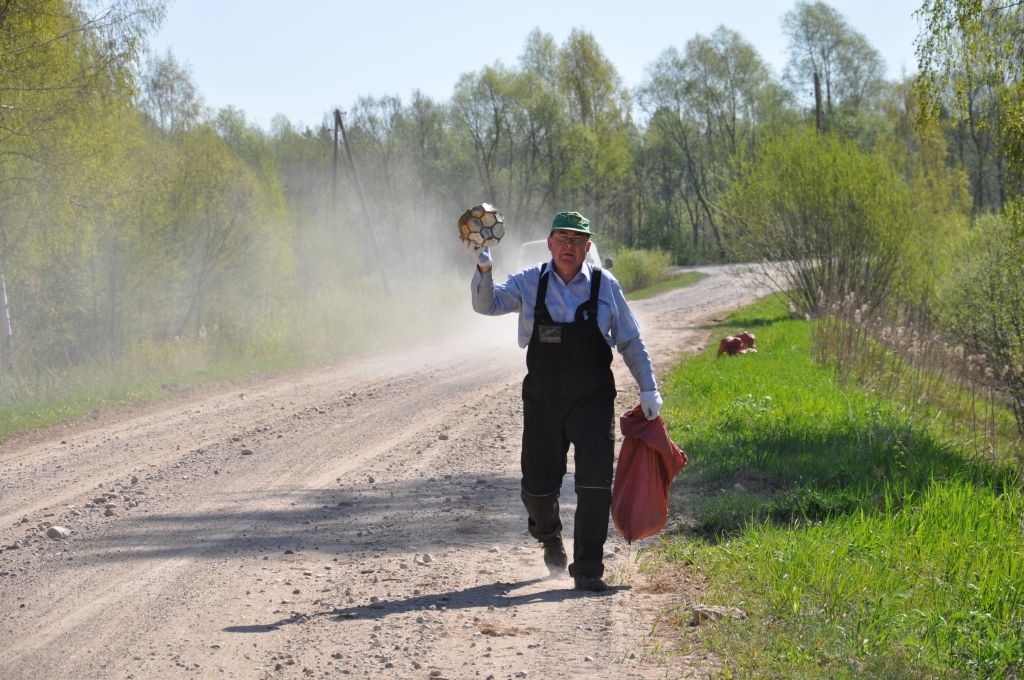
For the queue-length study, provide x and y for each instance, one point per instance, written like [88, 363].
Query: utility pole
[334, 166]
[339, 126]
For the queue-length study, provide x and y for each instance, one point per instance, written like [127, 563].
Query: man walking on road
[570, 315]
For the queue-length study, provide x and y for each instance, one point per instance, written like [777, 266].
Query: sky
[304, 58]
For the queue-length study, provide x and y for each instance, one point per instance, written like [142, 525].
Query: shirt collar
[585, 272]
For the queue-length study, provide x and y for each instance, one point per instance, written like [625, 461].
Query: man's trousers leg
[543, 465]
[591, 428]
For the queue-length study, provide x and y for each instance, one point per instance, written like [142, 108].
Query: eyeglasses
[566, 239]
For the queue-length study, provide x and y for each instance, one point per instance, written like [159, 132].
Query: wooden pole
[334, 166]
[367, 222]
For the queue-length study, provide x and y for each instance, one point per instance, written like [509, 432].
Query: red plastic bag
[647, 463]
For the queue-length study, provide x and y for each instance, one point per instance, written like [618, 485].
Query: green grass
[859, 543]
[926, 378]
[677, 281]
[318, 331]
[96, 394]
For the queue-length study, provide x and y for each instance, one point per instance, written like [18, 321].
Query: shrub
[636, 269]
[984, 305]
[827, 219]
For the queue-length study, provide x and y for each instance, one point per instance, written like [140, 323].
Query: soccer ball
[482, 225]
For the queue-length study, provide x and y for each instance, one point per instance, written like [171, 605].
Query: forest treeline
[134, 220]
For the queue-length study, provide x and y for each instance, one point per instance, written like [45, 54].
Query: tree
[589, 81]
[516, 126]
[971, 60]
[828, 220]
[597, 149]
[939, 191]
[169, 96]
[482, 104]
[302, 159]
[710, 102]
[219, 214]
[822, 42]
[984, 306]
[966, 42]
[660, 178]
[540, 58]
[57, 58]
[372, 126]
[438, 164]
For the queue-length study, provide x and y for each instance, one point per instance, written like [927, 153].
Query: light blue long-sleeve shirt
[614, 318]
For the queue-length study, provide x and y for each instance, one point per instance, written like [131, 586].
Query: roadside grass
[680, 280]
[928, 377]
[98, 390]
[857, 540]
[323, 330]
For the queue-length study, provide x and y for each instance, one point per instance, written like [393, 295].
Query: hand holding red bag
[647, 463]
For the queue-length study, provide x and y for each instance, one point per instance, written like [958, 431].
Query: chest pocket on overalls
[550, 334]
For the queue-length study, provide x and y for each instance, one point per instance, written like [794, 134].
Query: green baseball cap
[571, 221]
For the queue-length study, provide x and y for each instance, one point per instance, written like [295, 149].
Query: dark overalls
[568, 397]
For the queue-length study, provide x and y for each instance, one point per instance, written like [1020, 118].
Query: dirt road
[359, 520]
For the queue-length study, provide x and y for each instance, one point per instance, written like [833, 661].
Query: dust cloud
[417, 255]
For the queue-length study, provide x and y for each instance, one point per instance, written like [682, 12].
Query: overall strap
[540, 310]
[595, 286]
